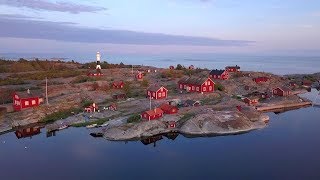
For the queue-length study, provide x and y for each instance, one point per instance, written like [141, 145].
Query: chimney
[28, 91]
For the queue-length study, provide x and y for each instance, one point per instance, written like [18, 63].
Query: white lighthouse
[98, 61]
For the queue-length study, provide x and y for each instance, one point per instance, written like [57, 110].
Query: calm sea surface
[287, 149]
[275, 64]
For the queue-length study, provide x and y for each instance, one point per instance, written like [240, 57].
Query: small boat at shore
[62, 127]
[96, 134]
[92, 126]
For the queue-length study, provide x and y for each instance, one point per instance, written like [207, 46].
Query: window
[192, 88]
[33, 102]
[185, 86]
[197, 88]
[159, 94]
[215, 76]
[219, 76]
[206, 83]
[149, 93]
[163, 94]
[181, 86]
[154, 94]
[145, 115]
[204, 89]
[26, 103]
[210, 88]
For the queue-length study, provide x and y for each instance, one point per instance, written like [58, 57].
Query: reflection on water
[154, 139]
[28, 132]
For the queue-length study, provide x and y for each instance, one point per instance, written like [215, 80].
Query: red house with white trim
[233, 68]
[23, 100]
[139, 76]
[201, 85]
[152, 114]
[118, 84]
[281, 91]
[219, 74]
[261, 79]
[168, 109]
[157, 92]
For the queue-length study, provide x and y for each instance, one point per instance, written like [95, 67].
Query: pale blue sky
[227, 26]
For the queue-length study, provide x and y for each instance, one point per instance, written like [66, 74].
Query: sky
[289, 27]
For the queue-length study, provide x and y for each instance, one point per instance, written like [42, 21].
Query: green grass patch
[11, 81]
[134, 118]
[60, 115]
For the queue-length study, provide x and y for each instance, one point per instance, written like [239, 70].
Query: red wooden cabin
[157, 92]
[261, 79]
[152, 114]
[233, 68]
[168, 109]
[219, 74]
[23, 100]
[171, 67]
[118, 84]
[281, 91]
[201, 85]
[306, 83]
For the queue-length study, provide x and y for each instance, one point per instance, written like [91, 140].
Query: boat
[96, 134]
[92, 126]
[62, 127]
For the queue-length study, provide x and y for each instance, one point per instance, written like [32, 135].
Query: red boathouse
[219, 74]
[152, 114]
[200, 85]
[23, 100]
[157, 92]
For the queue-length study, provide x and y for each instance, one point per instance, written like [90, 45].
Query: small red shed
[171, 124]
[152, 114]
[201, 85]
[251, 100]
[157, 92]
[171, 67]
[261, 79]
[233, 68]
[219, 74]
[281, 91]
[23, 100]
[118, 84]
[168, 109]
[139, 76]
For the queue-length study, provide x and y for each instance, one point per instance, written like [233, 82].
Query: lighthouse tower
[98, 61]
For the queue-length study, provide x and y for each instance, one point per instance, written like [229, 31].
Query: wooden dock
[284, 107]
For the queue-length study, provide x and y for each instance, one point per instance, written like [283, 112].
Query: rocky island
[131, 102]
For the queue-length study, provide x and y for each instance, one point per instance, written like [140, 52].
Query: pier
[284, 107]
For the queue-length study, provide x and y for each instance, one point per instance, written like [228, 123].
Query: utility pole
[47, 91]
[150, 101]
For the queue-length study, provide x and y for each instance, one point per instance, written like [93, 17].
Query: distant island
[127, 102]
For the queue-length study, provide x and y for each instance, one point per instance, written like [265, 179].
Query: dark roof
[155, 87]
[217, 72]
[33, 93]
[237, 67]
[166, 107]
[193, 80]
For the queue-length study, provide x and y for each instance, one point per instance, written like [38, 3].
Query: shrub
[145, 83]
[134, 118]
[219, 87]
